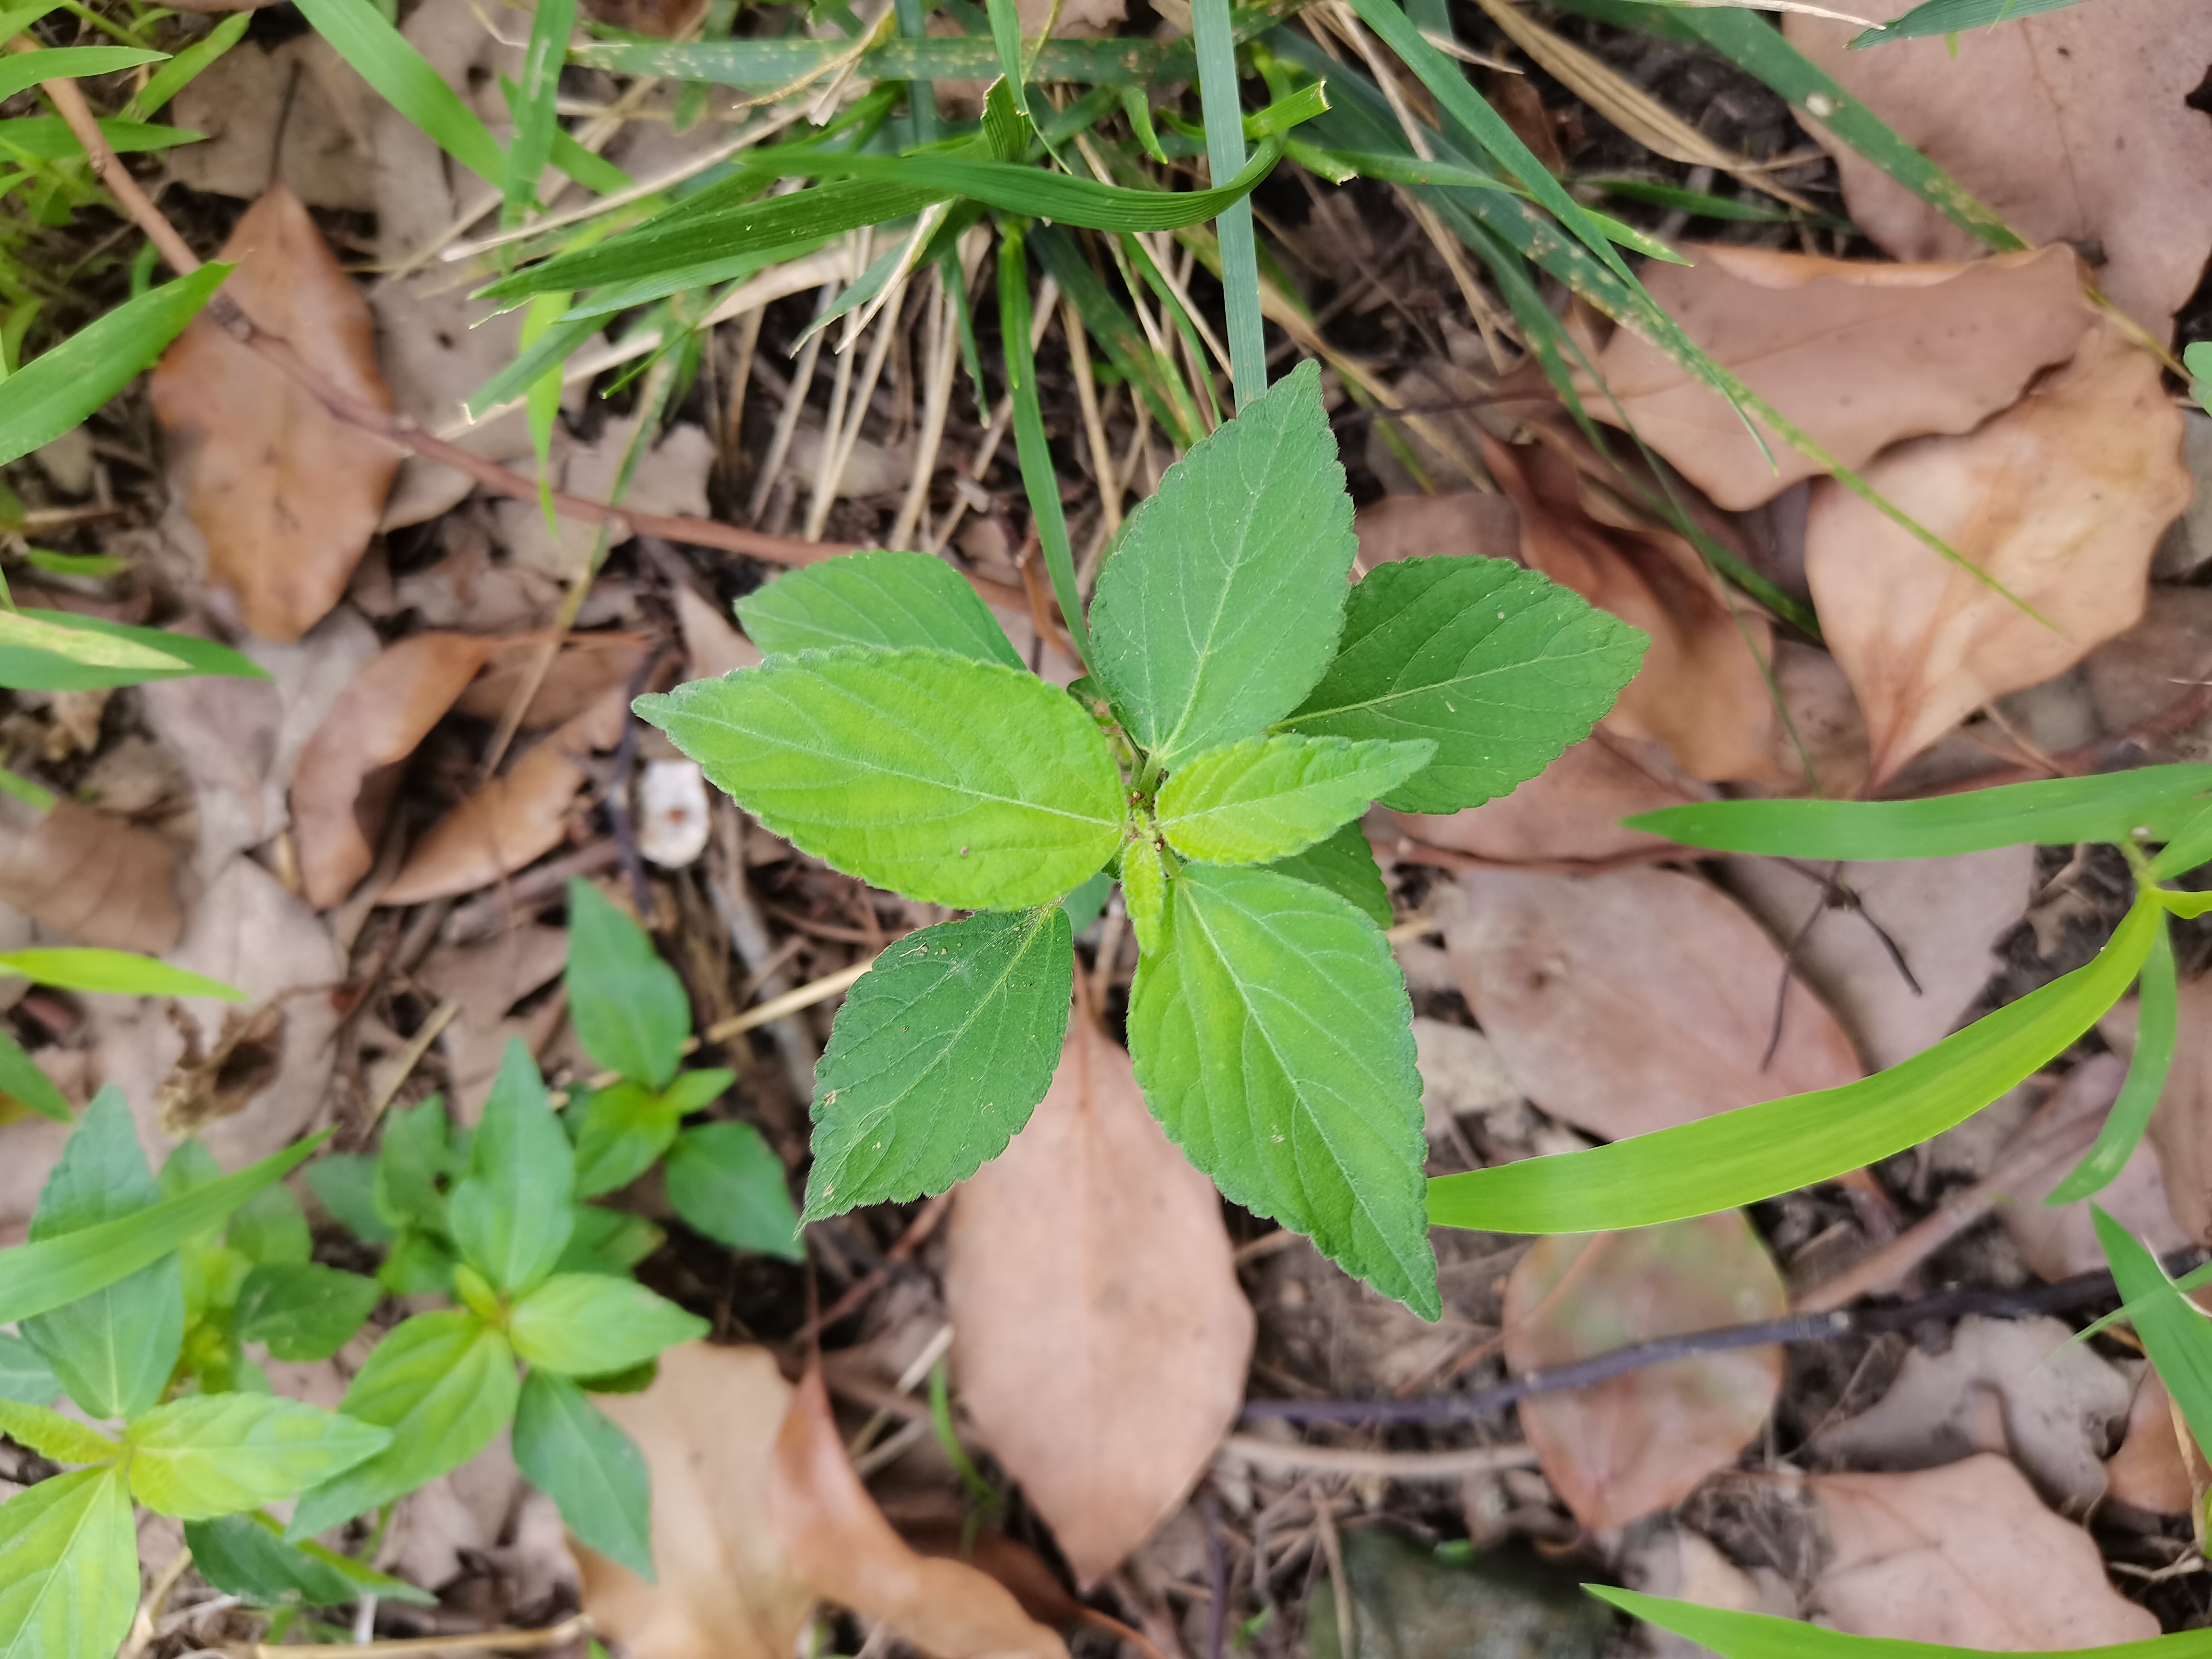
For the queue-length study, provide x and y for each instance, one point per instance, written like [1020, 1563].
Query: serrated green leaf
[68, 1568]
[22, 1080]
[303, 1309]
[591, 1325]
[621, 1133]
[119, 973]
[24, 1376]
[1264, 798]
[892, 601]
[605, 1241]
[727, 1184]
[940, 1054]
[271, 1227]
[63, 1439]
[2174, 1330]
[954, 781]
[1144, 889]
[245, 1556]
[209, 1454]
[1273, 1039]
[629, 1008]
[444, 1384]
[510, 1217]
[1344, 863]
[593, 1471]
[1502, 668]
[115, 1347]
[1220, 608]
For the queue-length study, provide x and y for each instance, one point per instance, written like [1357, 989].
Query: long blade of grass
[24, 70]
[535, 121]
[1735, 1635]
[768, 64]
[1954, 17]
[2156, 1025]
[173, 76]
[1040, 482]
[2175, 1332]
[1224, 155]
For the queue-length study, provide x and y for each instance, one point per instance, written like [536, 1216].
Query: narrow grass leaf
[181, 70]
[1954, 17]
[894, 601]
[1735, 1635]
[536, 120]
[2174, 1331]
[2156, 1025]
[1215, 37]
[384, 58]
[118, 973]
[29, 666]
[23, 1081]
[23, 71]
[1039, 476]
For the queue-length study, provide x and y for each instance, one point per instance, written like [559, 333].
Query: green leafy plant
[1244, 704]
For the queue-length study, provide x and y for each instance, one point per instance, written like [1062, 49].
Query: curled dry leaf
[2062, 499]
[286, 494]
[1571, 810]
[93, 878]
[2075, 125]
[1101, 1336]
[586, 667]
[343, 786]
[1701, 691]
[1633, 1000]
[2162, 659]
[1857, 355]
[325, 155]
[2148, 1471]
[1966, 1555]
[1639, 1443]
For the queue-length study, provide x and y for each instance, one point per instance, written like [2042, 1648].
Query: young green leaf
[1754, 1153]
[729, 1185]
[1344, 863]
[593, 1471]
[53, 392]
[1266, 799]
[444, 1384]
[954, 781]
[2174, 1331]
[940, 1054]
[591, 1325]
[511, 1216]
[623, 1129]
[115, 1347]
[1220, 608]
[245, 1556]
[417, 1164]
[1502, 668]
[68, 1568]
[1145, 888]
[22, 1080]
[303, 1309]
[24, 1376]
[208, 1455]
[271, 1227]
[893, 601]
[2157, 1023]
[607, 1241]
[63, 1439]
[119, 973]
[1273, 1038]
[629, 1005]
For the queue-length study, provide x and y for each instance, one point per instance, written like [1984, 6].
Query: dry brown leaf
[1571, 810]
[712, 645]
[1700, 691]
[286, 494]
[2148, 1471]
[1101, 1338]
[586, 668]
[1634, 1000]
[836, 1541]
[1420, 527]
[91, 877]
[343, 785]
[2154, 665]
[1857, 355]
[2074, 125]
[2181, 1127]
[1642, 1442]
[2062, 499]
[1965, 1555]
[327, 152]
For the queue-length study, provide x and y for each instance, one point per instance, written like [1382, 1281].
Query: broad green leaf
[2156, 1025]
[1221, 606]
[444, 1384]
[622, 1130]
[1264, 798]
[1501, 667]
[68, 1568]
[417, 1164]
[940, 1054]
[607, 1241]
[83, 646]
[629, 1005]
[729, 1185]
[591, 1325]
[2052, 811]
[1754, 1153]
[24, 1376]
[360, 34]
[24, 70]
[54, 393]
[209, 1454]
[47, 1432]
[894, 601]
[246, 1556]
[271, 1227]
[344, 1184]
[1953, 17]
[593, 1471]
[1145, 888]
[22, 1080]
[303, 1309]
[1735, 1635]
[511, 1216]
[1273, 1038]
[49, 1273]
[2174, 1331]
[115, 1347]
[953, 782]
[1344, 863]
[120, 973]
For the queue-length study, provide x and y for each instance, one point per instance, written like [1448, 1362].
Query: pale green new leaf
[1754, 1153]
[68, 1568]
[511, 1216]
[1220, 608]
[594, 1325]
[938, 1057]
[1273, 1040]
[893, 601]
[209, 1454]
[954, 781]
[729, 1185]
[444, 1384]
[593, 1471]
[629, 1007]
[1735, 1635]
[1501, 667]
[1145, 878]
[1267, 797]
[118, 973]
[2175, 1332]
[1344, 863]
[62, 1439]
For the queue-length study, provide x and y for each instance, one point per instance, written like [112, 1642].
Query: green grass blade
[1224, 154]
[2155, 1027]
[921, 91]
[2192, 845]
[1735, 1635]
[26, 69]
[2175, 1332]
[1954, 17]
[768, 63]
[1006, 43]
[533, 104]
[173, 76]
[1755, 1152]
[1039, 480]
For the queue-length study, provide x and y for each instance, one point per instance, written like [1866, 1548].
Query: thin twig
[1389, 1465]
[489, 1641]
